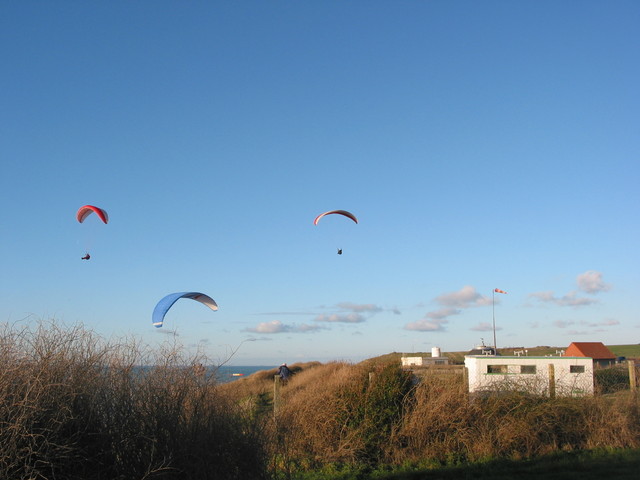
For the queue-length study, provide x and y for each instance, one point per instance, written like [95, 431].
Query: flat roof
[523, 356]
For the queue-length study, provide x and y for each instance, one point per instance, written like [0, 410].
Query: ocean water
[228, 373]
[224, 374]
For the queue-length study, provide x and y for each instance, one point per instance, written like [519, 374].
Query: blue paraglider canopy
[167, 302]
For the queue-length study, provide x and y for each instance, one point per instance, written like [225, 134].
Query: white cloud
[563, 323]
[577, 332]
[353, 307]
[276, 326]
[351, 313]
[284, 313]
[304, 328]
[442, 313]
[427, 325]
[569, 300]
[433, 321]
[484, 327]
[604, 323]
[591, 282]
[341, 318]
[466, 297]
[452, 304]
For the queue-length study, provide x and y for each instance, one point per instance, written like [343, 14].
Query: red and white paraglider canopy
[86, 210]
[339, 212]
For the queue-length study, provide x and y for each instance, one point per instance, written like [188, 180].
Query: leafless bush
[74, 407]
[444, 423]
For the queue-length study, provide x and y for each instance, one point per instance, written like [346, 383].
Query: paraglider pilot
[339, 251]
[86, 257]
[284, 373]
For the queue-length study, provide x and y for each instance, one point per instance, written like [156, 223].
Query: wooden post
[552, 381]
[465, 377]
[276, 394]
[632, 375]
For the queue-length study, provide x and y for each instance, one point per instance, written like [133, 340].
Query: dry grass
[72, 407]
[337, 413]
[445, 424]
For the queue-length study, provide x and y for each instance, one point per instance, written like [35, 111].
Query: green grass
[584, 465]
[581, 465]
[629, 351]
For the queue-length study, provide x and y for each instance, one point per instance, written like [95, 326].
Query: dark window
[576, 368]
[497, 369]
[528, 369]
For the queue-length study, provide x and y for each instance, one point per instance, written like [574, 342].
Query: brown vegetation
[72, 408]
[372, 413]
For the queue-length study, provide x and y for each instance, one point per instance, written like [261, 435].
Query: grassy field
[628, 351]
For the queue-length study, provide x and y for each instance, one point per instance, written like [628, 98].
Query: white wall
[490, 373]
[408, 361]
[423, 361]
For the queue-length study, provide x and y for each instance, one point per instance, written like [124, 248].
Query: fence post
[465, 377]
[276, 394]
[552, 381]
[632, 375]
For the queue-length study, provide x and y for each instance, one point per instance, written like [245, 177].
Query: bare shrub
[445, 424]
[73, 407]
[613, 421]
[611, 379]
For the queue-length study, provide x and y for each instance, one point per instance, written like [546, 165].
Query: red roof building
[601, 355]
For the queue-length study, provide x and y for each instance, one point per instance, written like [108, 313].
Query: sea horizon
[229, 373]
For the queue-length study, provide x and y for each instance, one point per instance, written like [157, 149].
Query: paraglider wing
[167, 302]
[340, 212]
[86, 210]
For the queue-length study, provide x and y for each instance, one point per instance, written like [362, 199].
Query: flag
[497, 290]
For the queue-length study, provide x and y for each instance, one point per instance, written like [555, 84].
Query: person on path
[284, 373]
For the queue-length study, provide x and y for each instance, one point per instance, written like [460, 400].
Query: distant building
[434, 359]
[482, 349]
[601, 355]
[568, 376]
[423, 361]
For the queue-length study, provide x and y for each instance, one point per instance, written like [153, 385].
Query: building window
[528, 369]
[576, 368]
[497, 369]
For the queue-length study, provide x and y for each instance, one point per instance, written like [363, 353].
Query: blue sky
[481, 145]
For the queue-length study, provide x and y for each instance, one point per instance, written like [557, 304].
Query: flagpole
[493, 303]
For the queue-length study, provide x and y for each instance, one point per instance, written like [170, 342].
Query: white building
[562, 376]
[434, 359]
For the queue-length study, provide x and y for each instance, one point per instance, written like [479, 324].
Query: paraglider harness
[86, 257]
